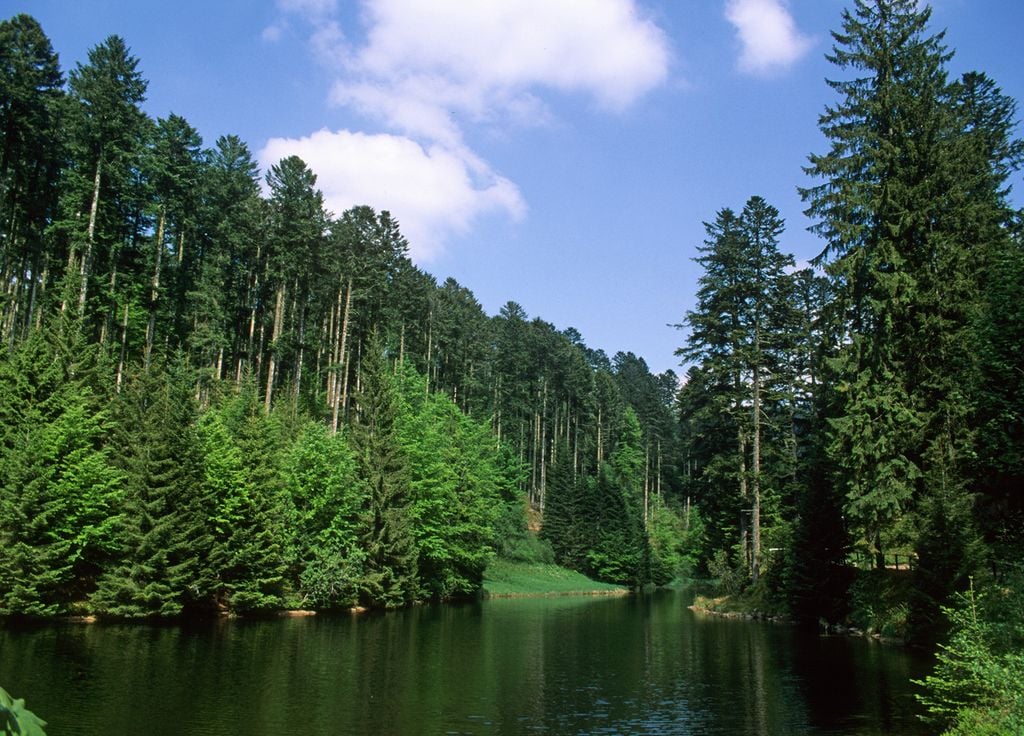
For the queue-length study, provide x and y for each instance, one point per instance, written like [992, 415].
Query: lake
[620, 665]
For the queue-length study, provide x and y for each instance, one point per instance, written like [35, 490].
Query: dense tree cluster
[868, 410]
[214, 398]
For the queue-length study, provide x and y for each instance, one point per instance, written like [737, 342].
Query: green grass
[504, 578]
[741, 604]
[755, 602]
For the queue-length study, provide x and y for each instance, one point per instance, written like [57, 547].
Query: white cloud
[272, 33]
[428, 69]
[328, 43]
[768, 34]
[605, 48]
[432, 191]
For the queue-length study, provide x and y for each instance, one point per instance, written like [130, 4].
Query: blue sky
[559, 153]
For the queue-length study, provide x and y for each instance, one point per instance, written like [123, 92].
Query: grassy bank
[512, 579]
[751, 603]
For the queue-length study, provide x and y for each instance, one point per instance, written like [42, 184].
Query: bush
[879, 602]
[527, 547]
[16, 719]
[977, 687]
[730, 579]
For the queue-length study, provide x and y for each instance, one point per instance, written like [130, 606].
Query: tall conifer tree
[387, 535]
[887, 207]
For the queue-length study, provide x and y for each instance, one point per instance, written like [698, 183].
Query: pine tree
[386, 533]
[31, 153]
[247, 522]
[226, 298]
[59, 487]
[174, 172]
[739, 334]
[295, 238]
[887, 208]
[107, 135]
[565, 514]
[988, 118]
[165, 566]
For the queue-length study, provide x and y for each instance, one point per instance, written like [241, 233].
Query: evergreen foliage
[978, 683]
[386, 534]
[59, 485]
[248, 522]
[164, 539]
[236, 337]
[741, 335]
[216, 401]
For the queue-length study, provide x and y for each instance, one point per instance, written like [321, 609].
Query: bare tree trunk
[105, 327]
[658, 483]
[86, 263]
[330, 330]
[342, 362]
[743, 495]
[535, 483]
[647, 485]
[543, 446]
[124, 351]
[274, 335]
[497, 409]
[35, 316]
[154, 286]
[253, 291]
[344, 385]
[755, 481]
[258, 368]
[430, 343]
[301, 355]
[575, 448]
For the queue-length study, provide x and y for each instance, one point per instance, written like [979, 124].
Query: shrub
[16, 719]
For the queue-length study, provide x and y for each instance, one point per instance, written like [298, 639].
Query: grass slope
[504, 578]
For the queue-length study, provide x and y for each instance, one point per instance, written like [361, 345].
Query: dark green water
[634, 665]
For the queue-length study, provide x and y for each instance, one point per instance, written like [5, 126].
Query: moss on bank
[506, 579]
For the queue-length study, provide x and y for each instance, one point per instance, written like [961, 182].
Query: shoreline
[557, 594]
[823, 630]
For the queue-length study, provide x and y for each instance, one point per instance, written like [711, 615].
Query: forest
[218, 397]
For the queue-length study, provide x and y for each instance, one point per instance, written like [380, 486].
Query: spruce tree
[31, 153]
[247, 522]
[565, 514]
[59, 486]
[887, 207]
[386, 533]
[107, 134]
[165, 566]
[739, 333]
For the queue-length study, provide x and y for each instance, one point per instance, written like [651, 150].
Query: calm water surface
[633, 665]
